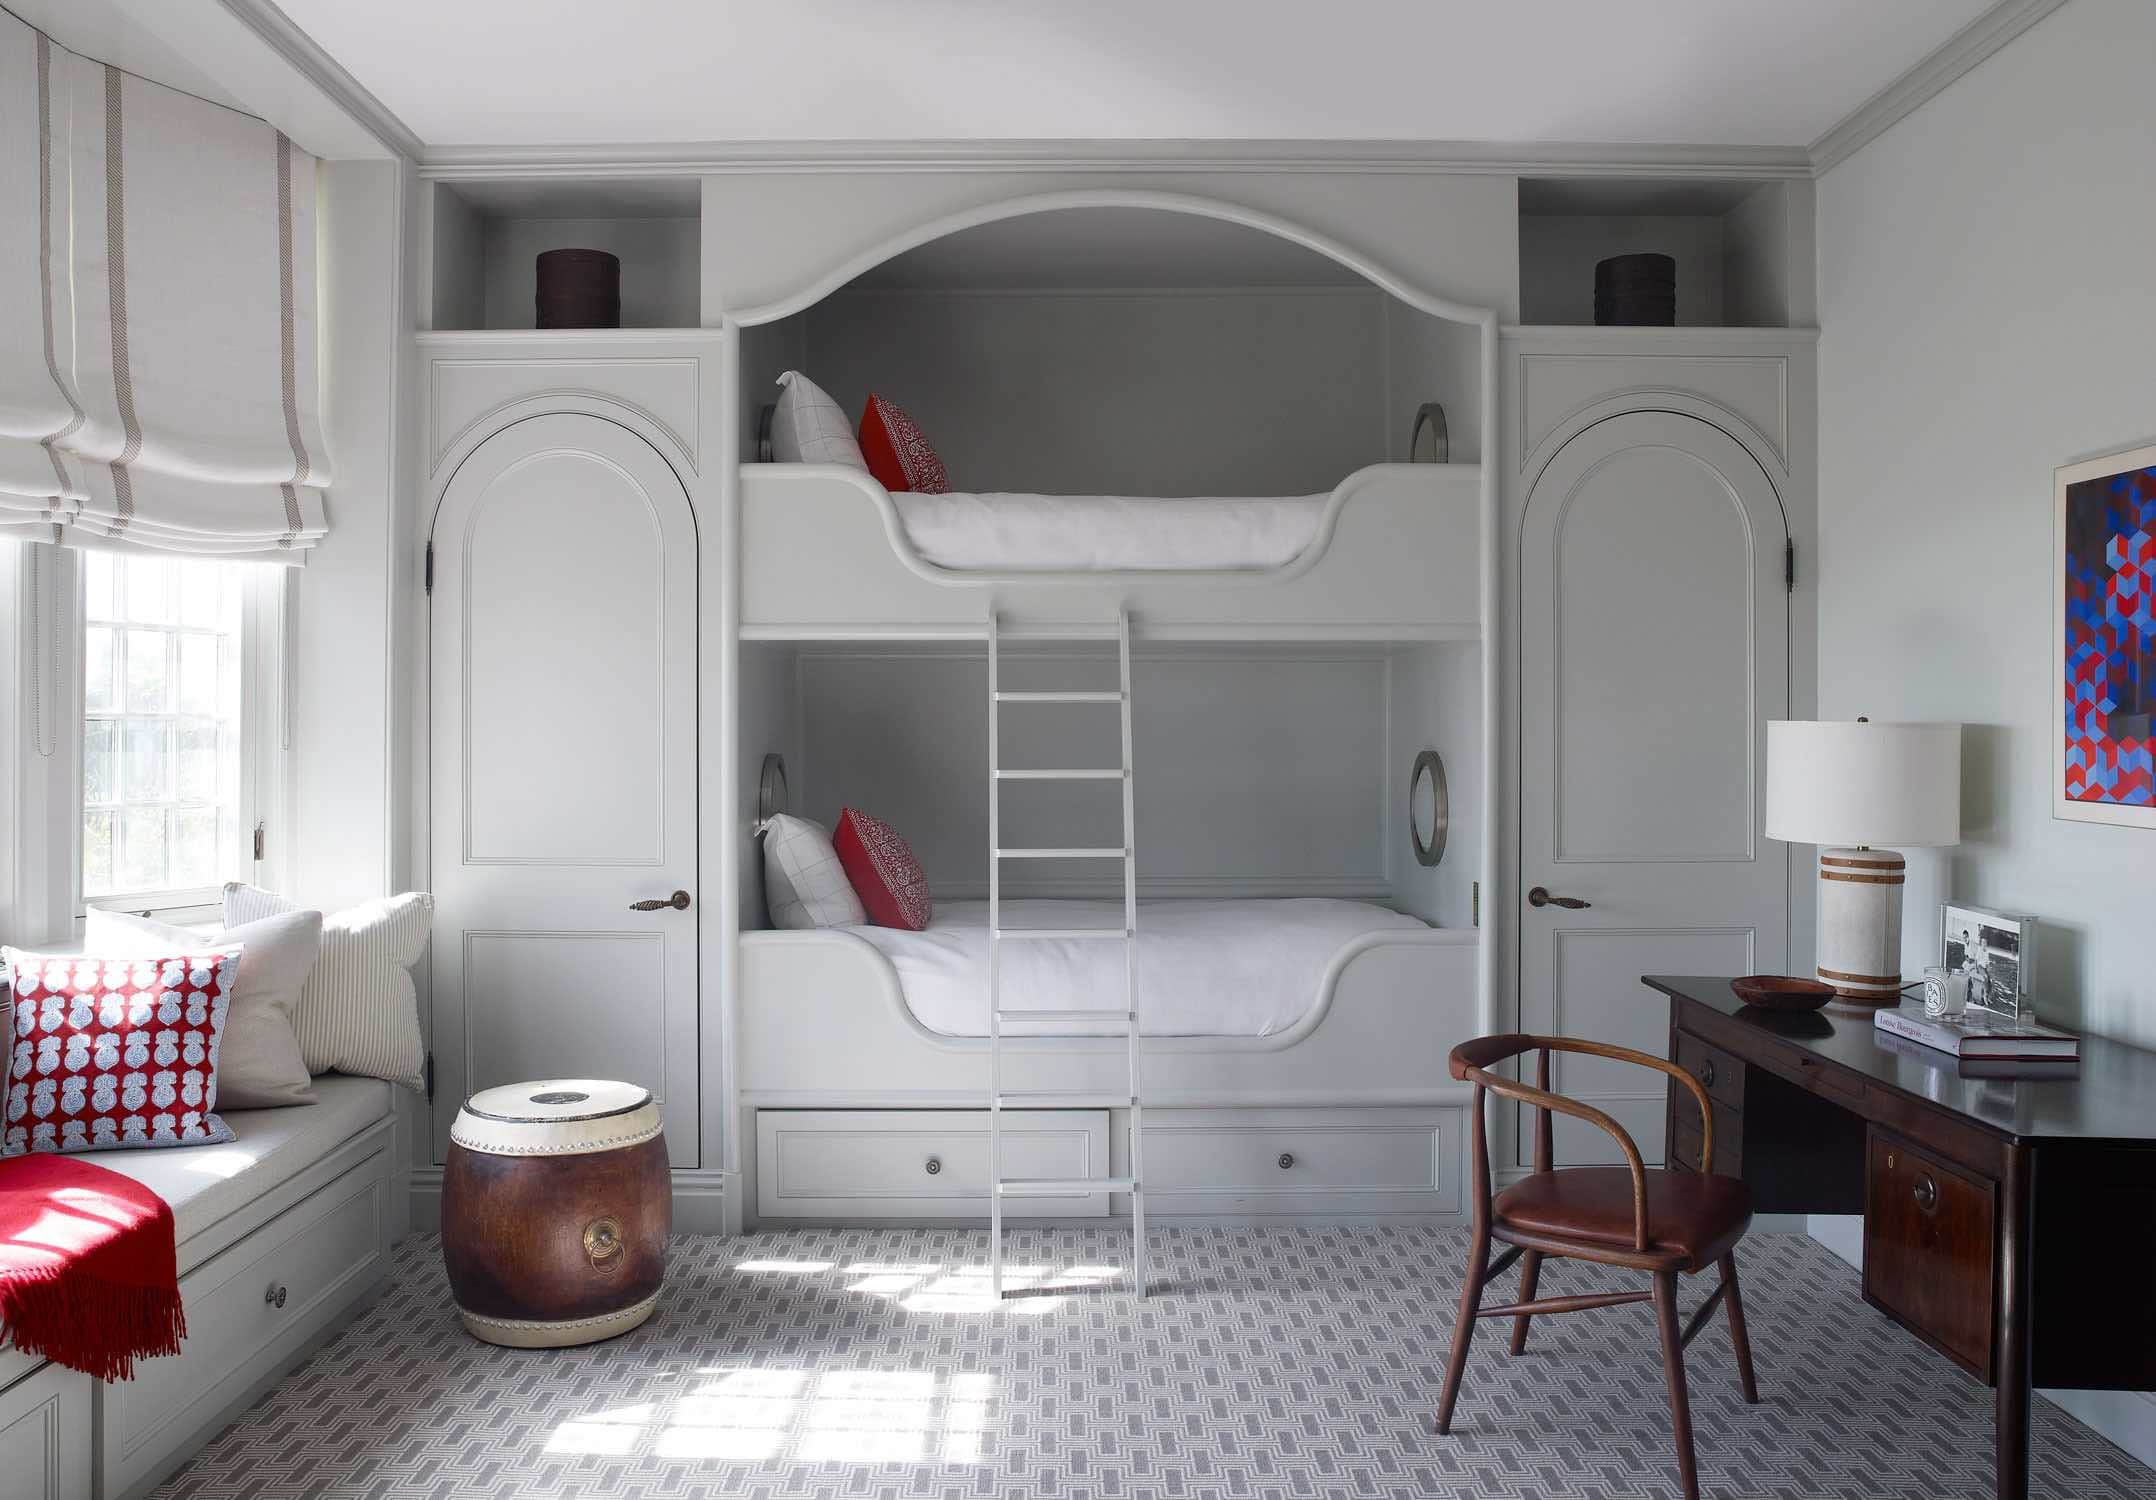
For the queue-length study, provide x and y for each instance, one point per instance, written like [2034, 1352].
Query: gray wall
[1171, 392]
[1260, 770]
[1989, 313]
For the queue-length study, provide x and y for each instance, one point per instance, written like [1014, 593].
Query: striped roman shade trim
[358, 1012]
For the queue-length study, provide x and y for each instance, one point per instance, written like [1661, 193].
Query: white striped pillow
[358, 1013]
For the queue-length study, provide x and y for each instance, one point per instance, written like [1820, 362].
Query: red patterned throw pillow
[114, 1052]
[898, 452]
[883, 871]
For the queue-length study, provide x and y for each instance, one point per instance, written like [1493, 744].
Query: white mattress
[1107, 533]
[1205, 968]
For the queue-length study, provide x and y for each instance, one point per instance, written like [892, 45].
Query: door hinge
[1789, 567]
[428, 1076]
[258, 843]
[430, 567]
[1478, 904]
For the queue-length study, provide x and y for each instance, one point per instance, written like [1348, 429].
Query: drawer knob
[934, 1165]
[1287, 1160]
[1706, 1074]
[274, 1297]
[1927, 1193]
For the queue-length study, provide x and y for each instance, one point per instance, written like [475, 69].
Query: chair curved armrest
[1525, 1093]
[1645, 1060]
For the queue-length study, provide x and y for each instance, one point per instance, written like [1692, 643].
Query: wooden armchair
[1665, 1223]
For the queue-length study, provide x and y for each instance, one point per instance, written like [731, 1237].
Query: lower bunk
[1293, 1066]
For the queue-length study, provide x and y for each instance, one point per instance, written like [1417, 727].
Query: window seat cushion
[205, 1184]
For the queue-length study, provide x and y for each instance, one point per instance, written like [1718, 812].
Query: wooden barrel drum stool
[555, 1212]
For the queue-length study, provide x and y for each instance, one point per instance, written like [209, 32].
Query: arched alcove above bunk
[1128, 350]
[1131, 351]
[1134, 397]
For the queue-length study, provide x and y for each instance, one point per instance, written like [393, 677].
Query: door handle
[679, 901]
[1541, 897]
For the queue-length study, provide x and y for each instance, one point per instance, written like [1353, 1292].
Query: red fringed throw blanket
[89, 1277]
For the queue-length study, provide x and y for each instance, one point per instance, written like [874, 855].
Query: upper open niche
[1142, 351]
[1743, 248]
[487, 236]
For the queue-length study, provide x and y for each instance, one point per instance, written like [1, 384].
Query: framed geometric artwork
[2103, 755]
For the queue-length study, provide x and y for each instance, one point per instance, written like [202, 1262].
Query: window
[171, 782]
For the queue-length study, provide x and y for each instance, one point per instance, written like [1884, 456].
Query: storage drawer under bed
[1250, 1163]
[921, 1163]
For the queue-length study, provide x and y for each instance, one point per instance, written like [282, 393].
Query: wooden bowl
[1779, 992]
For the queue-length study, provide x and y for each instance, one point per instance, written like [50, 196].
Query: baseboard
[2126, 1418]
[699, 1202]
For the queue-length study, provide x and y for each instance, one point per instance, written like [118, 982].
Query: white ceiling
[582, 72]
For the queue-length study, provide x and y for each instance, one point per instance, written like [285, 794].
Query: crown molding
[1960, 53]
[1448, 158]
[275, 30]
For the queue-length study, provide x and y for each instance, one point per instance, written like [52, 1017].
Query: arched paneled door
[1654, 646]
[564, 769]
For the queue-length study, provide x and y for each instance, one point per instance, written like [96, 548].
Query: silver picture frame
[1997, 948]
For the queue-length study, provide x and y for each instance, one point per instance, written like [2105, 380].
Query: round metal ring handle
[934, 1165]
[1540, 896]
[1287, 1160]
[1927, 1193]
[274, 1297]
[1706, 1074]
[679, 901]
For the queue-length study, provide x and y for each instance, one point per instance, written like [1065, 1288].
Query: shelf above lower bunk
[1396, 555]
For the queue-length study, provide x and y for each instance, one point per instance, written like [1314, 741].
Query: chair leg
[1737, 1335]
[1530, 1274]
[1680, 1405]
[1463, 1332]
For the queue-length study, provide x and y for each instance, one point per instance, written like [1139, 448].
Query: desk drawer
[1687, 1143]
[1929, 1249]
[1720, 1073]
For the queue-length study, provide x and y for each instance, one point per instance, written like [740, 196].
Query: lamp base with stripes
[1860, 924]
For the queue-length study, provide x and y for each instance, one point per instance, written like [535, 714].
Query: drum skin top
[557, 1117]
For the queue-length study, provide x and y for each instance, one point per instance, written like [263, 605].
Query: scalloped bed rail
[1394, 555]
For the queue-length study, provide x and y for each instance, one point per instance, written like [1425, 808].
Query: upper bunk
[1197, 420]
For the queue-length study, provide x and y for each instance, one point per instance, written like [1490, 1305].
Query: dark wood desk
[2008, 1222]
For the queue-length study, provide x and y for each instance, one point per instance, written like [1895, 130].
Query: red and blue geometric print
[2111, 638]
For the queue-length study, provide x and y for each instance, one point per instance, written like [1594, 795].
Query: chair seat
[1693, 1217]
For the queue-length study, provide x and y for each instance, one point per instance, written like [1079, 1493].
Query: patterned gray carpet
[1292, 1363]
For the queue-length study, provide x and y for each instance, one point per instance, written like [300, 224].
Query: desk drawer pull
[1287, 1160]
[1926, 1193]
[1706, 1074]
[933, 1166]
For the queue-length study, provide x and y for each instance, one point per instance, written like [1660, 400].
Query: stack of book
[1978, 1036]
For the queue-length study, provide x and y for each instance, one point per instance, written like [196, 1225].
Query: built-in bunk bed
[1203, 430]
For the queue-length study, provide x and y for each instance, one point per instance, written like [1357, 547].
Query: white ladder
[999, 1099]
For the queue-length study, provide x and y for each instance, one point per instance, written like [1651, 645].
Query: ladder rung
[1059, 934]
[1105, 773]
[1059, 1099]
[1107, 697]
[1056, 1187]
[1062, 853]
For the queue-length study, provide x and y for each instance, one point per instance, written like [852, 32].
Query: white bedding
[1205, 968]
[1107, 533]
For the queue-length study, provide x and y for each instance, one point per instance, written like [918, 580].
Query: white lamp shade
[1884, 785]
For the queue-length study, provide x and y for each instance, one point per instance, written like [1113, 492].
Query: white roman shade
[158, 383]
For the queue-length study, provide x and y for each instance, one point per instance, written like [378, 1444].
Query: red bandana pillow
[898, 452]
[883, 871]
[113, 1052]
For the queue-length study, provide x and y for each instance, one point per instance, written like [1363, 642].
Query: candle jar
[1946, 992]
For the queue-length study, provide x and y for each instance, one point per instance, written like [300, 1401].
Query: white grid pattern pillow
[804, 884]
[358, 1012]
[809, 428]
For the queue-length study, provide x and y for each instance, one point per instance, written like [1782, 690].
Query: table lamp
[1852, 788]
